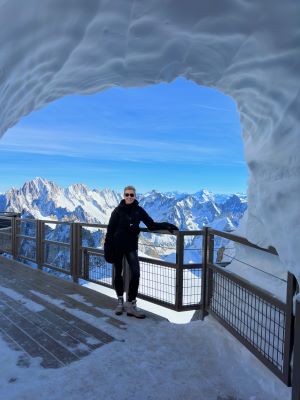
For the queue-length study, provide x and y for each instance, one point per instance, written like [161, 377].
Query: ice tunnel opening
[214, 127]
[176, 136]
[250, 52]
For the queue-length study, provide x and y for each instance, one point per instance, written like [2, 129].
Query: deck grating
[36, 316]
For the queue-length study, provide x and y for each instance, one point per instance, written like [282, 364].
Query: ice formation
[248, 50]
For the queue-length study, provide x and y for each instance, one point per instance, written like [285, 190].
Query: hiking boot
[133, 311]
[120, 306]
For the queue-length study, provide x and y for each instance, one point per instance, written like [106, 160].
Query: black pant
[134, 265]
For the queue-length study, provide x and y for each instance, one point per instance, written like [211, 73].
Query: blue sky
[176, 136]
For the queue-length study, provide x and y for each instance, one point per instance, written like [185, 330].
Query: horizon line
[174, 191]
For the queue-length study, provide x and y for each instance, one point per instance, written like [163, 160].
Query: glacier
[247, 50]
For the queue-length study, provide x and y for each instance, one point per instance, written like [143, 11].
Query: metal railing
[169, 284]
[263, 323]
[65, 247]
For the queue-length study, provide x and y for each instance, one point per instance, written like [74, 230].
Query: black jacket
[123, 229]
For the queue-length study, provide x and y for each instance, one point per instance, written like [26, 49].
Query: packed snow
[148, 360]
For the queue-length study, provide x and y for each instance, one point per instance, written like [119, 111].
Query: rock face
[44, 199]
[248, 50]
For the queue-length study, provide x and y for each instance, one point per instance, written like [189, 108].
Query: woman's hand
[171, 227]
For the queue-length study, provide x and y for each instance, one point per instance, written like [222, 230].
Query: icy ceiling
[249, 50]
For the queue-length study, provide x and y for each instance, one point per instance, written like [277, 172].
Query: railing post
[72, 249]
[289, 328]
[126, 276]
[207, 258]
[296, 363]
[179, 270]
[204, 272]
[14, 243]
[86, 266]
[75, 256]
[210, 260]
[39, 243]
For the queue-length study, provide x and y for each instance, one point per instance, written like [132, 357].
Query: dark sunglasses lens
[129, 194]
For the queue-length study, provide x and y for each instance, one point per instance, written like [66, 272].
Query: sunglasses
[129, 194]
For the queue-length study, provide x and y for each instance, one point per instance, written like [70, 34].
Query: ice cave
[248, 50]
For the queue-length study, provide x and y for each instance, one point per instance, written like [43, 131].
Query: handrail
[56, 243]
[9, 213]
[48, 221]
[26, 237]
[104, 226]
[26, 219]
[226, 235]
[211, 231]
[242, 240]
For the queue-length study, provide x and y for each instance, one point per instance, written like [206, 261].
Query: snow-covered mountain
[44, 199]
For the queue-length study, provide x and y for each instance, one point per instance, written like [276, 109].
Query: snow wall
[249, 50]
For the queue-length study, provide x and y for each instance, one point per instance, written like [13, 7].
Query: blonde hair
[130, 188]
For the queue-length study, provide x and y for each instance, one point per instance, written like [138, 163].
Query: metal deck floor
[41, 316]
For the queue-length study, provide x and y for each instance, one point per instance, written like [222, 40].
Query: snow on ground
[149, 360]
[171, 315]
[31, 305]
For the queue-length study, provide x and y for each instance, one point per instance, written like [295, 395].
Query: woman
[122, 240]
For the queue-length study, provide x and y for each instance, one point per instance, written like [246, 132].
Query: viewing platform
[55, 322]
[40, 315]
[56, 325]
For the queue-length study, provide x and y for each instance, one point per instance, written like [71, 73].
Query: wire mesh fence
[57, 256]
[256, 319]
[96, 269]
[5, 243]
[191, 294]
[26, 248]
[26, 228]
[57, 232]
[157, 281]
[7, 232]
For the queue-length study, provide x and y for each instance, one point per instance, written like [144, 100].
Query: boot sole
[118, 312]
[132, 315]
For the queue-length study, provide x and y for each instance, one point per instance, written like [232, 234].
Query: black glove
[165, 226]
[171, 227]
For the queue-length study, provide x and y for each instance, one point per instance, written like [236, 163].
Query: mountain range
[43, 199]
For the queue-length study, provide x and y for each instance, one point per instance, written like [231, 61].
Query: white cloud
[109, 146]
